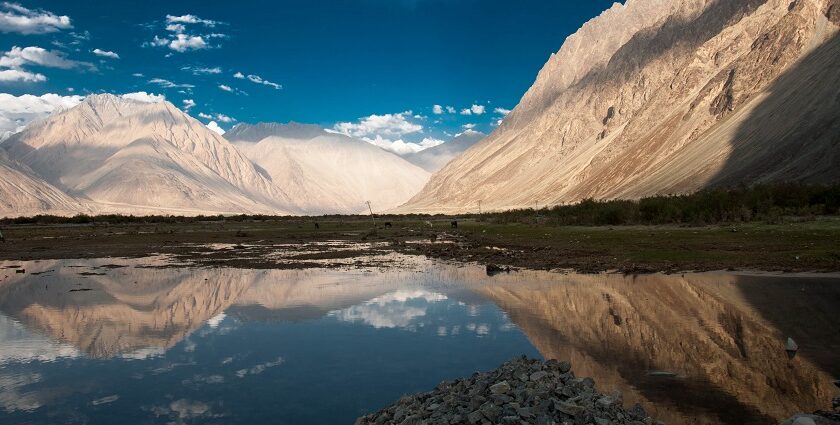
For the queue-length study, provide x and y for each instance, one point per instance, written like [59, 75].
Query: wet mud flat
[812, 246]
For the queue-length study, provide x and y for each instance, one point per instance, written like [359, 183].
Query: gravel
[521, 391]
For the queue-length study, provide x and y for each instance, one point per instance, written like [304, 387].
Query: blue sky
[315, 61]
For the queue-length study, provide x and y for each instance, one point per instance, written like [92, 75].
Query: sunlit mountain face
[100, 339]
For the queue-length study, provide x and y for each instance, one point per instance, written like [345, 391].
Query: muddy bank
[798, 247]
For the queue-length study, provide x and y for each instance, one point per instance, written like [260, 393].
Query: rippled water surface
[118, 341]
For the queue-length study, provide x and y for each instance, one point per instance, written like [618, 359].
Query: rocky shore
[522, 391]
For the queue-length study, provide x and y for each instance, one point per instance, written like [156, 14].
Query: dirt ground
[809, 246]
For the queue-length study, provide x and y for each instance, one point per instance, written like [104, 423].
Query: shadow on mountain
[794, 133]
[721, 351]
[805, 310]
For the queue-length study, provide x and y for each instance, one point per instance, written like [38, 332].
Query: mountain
[661, 97]
[433, 159]
[122, 155]
[24, 193]
[324, 172]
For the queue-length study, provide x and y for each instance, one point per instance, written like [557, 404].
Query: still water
[123, 341]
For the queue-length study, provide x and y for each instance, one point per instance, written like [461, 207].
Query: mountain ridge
[668, 111]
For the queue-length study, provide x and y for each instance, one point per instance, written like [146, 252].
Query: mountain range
[651, 97]
[115, 155]
[664, 97]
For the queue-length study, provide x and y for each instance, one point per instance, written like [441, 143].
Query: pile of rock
[522, 391]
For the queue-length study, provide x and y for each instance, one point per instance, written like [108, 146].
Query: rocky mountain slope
[660, 97]
[24, 193]
[127, 156]
[325, 172]
[435, 158]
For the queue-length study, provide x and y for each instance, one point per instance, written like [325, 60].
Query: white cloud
[385, 131]
[184, 42]
[437, 109]
[190, 19]
[429, 142]
[450, 109]
[259, 80]
[9, 75]
[137, 74]
[473, 110]
[180, 38]
[19, 57]
[198, 70]
[16, 18]
[400, 309]
[142, 96]
[239, 75]
[501, 111]
[176, 28]
[188, 104]
[215, 127]
[225, 88]
[169, 84]
[17, 111]
[469, 126]
[387, 125]
[217, 117]
[105, 53]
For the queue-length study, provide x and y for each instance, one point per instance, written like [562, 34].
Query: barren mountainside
[661, 97]
[121, 155]
[326, 172]
[435, 158]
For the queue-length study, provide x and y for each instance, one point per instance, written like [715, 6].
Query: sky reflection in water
[89, 341]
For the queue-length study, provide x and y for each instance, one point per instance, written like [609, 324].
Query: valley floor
[803, 246]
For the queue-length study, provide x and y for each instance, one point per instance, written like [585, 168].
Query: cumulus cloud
[169, 84]
[473, 110]
[190, 19]
[385, 131]
[450, 109]
[225, 88]
[217, 117]
[105, 53]
[181, 36]
[387, 125]
[188, 104]
[17, 111]
[19, 19]
[437, 110]
[469, 126]
[142, 96]
[239, 75]
[11, 75]
[215, 128]
[501, 111]
[19, 57]
[184, 42]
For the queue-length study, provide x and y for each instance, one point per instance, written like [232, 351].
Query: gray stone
[568, 408]
[475, 417]
[500, 388]
[536, 376]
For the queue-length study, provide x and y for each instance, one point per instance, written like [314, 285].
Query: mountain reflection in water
[329, 345]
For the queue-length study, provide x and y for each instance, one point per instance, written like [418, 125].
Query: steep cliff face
[658, 97]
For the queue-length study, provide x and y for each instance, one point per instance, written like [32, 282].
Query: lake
[142, 341]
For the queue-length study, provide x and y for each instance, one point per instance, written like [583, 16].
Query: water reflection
[83, 341]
